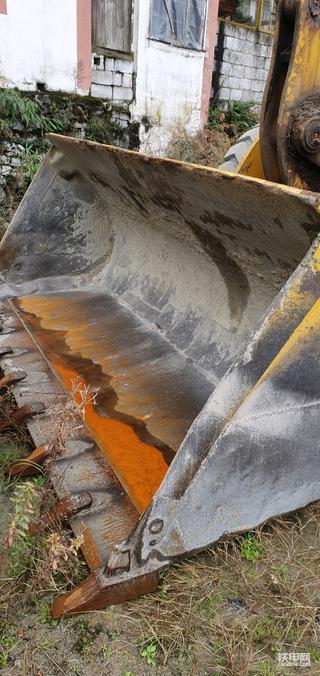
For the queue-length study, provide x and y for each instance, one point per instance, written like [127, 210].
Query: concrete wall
[39, 43]
[241, 65]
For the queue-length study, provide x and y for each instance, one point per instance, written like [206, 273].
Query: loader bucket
[177, 307]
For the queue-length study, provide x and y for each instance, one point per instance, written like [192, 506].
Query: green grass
[10, 452]
[265, 630]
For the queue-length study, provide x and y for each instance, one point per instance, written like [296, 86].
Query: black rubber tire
[237, 152]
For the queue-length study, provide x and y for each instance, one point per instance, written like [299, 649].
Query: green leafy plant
[14, 107]
[3, 660]
[266, 668]
[105, 650]
[44, 614]
[265, 630]
[235, 118]
[7, 642]
[25, 502]
[314, 654]
[216, 118]
[240, 114]
[149, 652]
[251, 548]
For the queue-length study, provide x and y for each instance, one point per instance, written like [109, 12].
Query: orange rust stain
[82, 335]
[139, 466]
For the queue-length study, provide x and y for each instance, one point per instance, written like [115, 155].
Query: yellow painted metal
[303, 80]
[304, 77]
[298, 338]
[251, 164]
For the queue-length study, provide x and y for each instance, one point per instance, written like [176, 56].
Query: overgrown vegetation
[234, 119]
[33, 566]
[30, 160]
[22, 113]
[208, 147]
[18, 109]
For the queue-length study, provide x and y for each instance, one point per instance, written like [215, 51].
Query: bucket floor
[146, 393]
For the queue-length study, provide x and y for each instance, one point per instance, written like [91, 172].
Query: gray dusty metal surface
[179, 292]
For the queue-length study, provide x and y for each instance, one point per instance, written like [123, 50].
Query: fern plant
[236, 118]
[17, 108]
[240, 114]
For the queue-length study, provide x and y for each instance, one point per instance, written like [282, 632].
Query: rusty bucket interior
[138, 279]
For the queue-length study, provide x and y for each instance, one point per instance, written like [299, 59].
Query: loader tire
[236, 153]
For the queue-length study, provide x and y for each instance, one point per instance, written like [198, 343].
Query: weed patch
[207, 147]
[87, 633]
[251, 548]
[149, 652]
[234, 119]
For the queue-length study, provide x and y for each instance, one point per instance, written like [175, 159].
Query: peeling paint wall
[38, 43]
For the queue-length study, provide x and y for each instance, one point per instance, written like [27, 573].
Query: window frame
[176, 44]
[254, 27]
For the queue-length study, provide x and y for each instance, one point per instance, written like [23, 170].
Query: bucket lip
[61, 142]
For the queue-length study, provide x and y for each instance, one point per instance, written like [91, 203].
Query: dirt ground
[228, 611]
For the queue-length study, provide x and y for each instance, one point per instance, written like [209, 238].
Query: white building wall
[244, 64]
[168, 85]
[38, 43]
